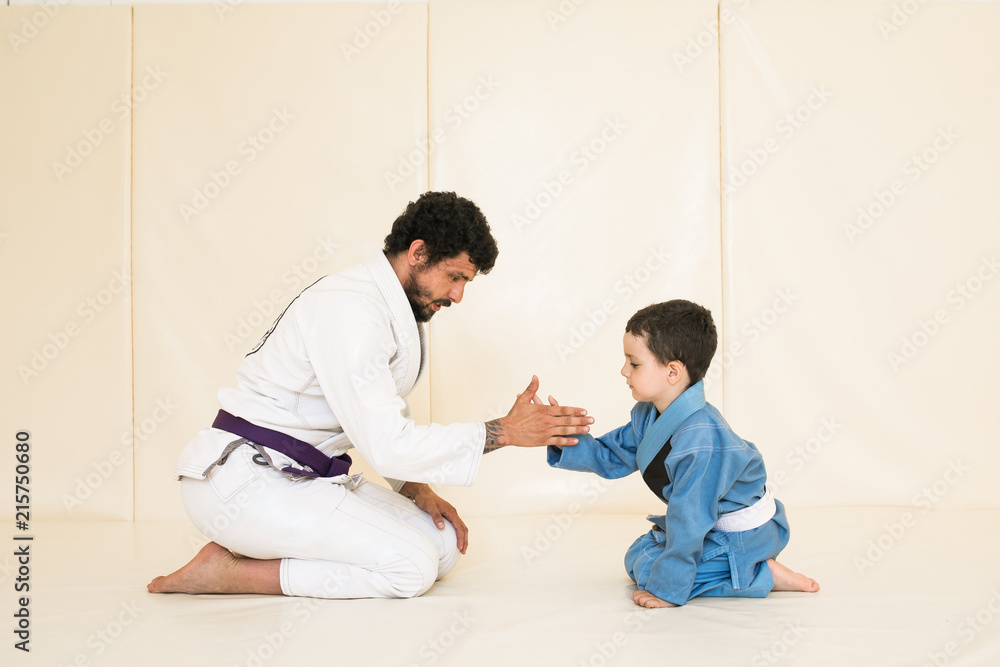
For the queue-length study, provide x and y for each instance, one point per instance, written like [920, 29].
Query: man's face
[431, 288]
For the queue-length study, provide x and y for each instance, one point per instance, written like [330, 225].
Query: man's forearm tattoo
[494, 431]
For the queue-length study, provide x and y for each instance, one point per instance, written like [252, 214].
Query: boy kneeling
[723, 529]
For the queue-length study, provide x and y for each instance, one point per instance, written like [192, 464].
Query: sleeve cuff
[554, 455]
[395, 484]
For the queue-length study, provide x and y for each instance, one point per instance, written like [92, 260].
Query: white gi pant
[333, 542]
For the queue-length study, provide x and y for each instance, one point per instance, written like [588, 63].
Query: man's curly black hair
[449, 225]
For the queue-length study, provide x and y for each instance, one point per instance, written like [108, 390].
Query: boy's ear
[676, 372]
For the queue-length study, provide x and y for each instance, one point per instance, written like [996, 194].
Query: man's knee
[449, 550]
[412, 579]
[444, 541]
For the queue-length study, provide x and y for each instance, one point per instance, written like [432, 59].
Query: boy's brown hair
[677, 330]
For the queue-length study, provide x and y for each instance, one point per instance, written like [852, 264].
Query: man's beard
[414, 293]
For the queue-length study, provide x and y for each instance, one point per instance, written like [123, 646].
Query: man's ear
[416, 255]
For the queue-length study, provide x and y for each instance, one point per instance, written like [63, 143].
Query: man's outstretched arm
[533, 424]
[494, 435]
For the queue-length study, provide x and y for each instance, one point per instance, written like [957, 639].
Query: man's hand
[439, 509]
[533, 424]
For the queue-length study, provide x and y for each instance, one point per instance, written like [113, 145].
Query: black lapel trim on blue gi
[655, 475]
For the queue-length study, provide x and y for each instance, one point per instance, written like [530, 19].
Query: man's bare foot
[787, 580]
[215, 570]
[647, 599]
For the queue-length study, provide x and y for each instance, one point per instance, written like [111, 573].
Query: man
[269, 482]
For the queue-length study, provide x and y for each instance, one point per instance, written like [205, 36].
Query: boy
[723, 529]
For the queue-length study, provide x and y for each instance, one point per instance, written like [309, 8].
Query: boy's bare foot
[787, 580]
[215, 570]
[647, 599]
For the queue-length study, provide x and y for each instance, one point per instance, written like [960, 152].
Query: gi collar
[685, 405]
[405, 324]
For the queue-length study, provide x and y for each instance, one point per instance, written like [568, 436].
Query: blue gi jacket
[691, 459]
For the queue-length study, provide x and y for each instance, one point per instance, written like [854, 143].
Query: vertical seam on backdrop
[131, 235]
[722, 244]
[427, 128]
[427, 88]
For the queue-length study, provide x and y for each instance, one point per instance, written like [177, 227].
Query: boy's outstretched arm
[611, 456]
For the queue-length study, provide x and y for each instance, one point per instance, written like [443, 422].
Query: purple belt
[301, 452]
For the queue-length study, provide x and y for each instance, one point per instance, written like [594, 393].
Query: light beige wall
[872, 208]
[64, 260]
[504, 96]
[257, 171]
[596, 161]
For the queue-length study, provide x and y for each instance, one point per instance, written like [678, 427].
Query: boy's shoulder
[706, 428]
[643, 414]
[707, 415]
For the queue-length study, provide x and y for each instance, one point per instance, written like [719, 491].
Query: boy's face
[647, 378]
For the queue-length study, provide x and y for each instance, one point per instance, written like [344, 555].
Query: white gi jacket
[333, 371]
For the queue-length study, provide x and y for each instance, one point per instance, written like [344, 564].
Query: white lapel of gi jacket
[410, 336]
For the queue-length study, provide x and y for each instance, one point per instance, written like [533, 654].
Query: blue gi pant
[732, 564]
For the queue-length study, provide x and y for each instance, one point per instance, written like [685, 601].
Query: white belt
[748, 518]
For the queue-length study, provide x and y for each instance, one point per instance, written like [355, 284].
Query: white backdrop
[265, 146]
[874, 210]
[65, 236]
[596, 161]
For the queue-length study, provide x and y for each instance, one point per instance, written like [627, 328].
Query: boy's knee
[640, 546]
[640, 557]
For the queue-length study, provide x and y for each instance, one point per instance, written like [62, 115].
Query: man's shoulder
[356, 278]
[354, 284]
[339, 299]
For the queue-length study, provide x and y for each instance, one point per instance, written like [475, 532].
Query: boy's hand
[530, 423]
[647, 599]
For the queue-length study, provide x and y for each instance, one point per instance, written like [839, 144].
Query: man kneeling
[270, 481]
